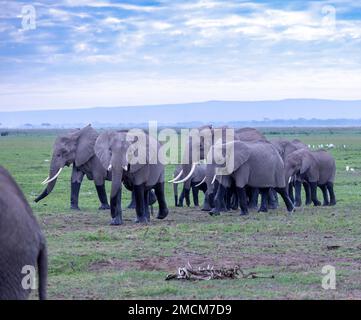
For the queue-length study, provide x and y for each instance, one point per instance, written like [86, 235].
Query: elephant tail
[43, 272]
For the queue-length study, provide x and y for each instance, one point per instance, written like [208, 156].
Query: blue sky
[86, 53]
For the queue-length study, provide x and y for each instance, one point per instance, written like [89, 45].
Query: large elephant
[207, 137]
[197, 183]
[255, 164]
[285, 148]
[22, 243]
[77, 148]
[118, 152]
[318, 168]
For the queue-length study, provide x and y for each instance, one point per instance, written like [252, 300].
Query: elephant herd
[260, 167]
[254, 167]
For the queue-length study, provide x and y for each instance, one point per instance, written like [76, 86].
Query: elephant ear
[102, 149]
[307, 162]
[85, 146]
[241, 154]
[236, 154]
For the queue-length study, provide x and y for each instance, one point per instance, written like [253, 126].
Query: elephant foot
[206, 207]
[272, 207]
[214, 213]
[263, 209]
[244, 213]
[131, 206]
[104, 206]
[325, 204]
[162, 214]
[298, 204]
[117, 221]
[142, 219]
[234, 208]
[317, 203]
[332, 203]
[74, 207]
[308, 203]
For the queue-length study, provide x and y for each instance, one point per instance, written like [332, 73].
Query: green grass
[90, 260]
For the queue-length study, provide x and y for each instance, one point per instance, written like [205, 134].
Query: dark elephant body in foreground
[22, 243]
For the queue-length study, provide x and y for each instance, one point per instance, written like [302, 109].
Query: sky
[90, 53]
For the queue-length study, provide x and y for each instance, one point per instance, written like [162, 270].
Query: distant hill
[258, 113]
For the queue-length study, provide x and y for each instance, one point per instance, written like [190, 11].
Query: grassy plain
[90, 260]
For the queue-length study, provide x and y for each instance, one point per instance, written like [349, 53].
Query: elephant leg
[242, 196]
[163, 209]
[290, 192]
[74, 195]
[195, 193]
[283, 193]
[181, 198]
[131, 205]
[326, 201]
[253, 202]
[152, 197]
[313, 186]
[264, 200]
[272, 199]
[332, 193]
[102, 195]
[116, 209]
[228, 199]
[218, 201]
[140, 204]
[146, 205]
[307, 189]
[235, 200]
[187, 193]
[206, 205]
[298, 200]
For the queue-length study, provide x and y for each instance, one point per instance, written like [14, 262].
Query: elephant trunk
[50, 186]
[175, 190]
[117, 176]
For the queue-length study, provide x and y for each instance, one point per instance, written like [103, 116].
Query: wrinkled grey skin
[318, 168]
[286, 147]
[111, 148]
[197, 177]
[77, 149]
[242, 134]
[21, 242]
[257, 165]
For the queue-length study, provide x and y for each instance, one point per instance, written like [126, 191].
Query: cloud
[206, 49]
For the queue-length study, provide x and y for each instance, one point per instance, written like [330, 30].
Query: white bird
[347, 168]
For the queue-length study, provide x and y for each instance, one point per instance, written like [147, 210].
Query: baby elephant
[318, 168]
[22, 244]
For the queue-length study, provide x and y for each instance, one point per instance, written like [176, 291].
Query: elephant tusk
[177, 177]
[53, 178]
[188, 176]
[110, 167]
[125, 168]
[204, 179]
[289, 180]
[45, 181]
[214, 179]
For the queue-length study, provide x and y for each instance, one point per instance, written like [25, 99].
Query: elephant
[77, 149]
[118, 153]
[318, 168]
[285, 148]
[197, 183]
[192, 157]
[21, 241]
[256, 164]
